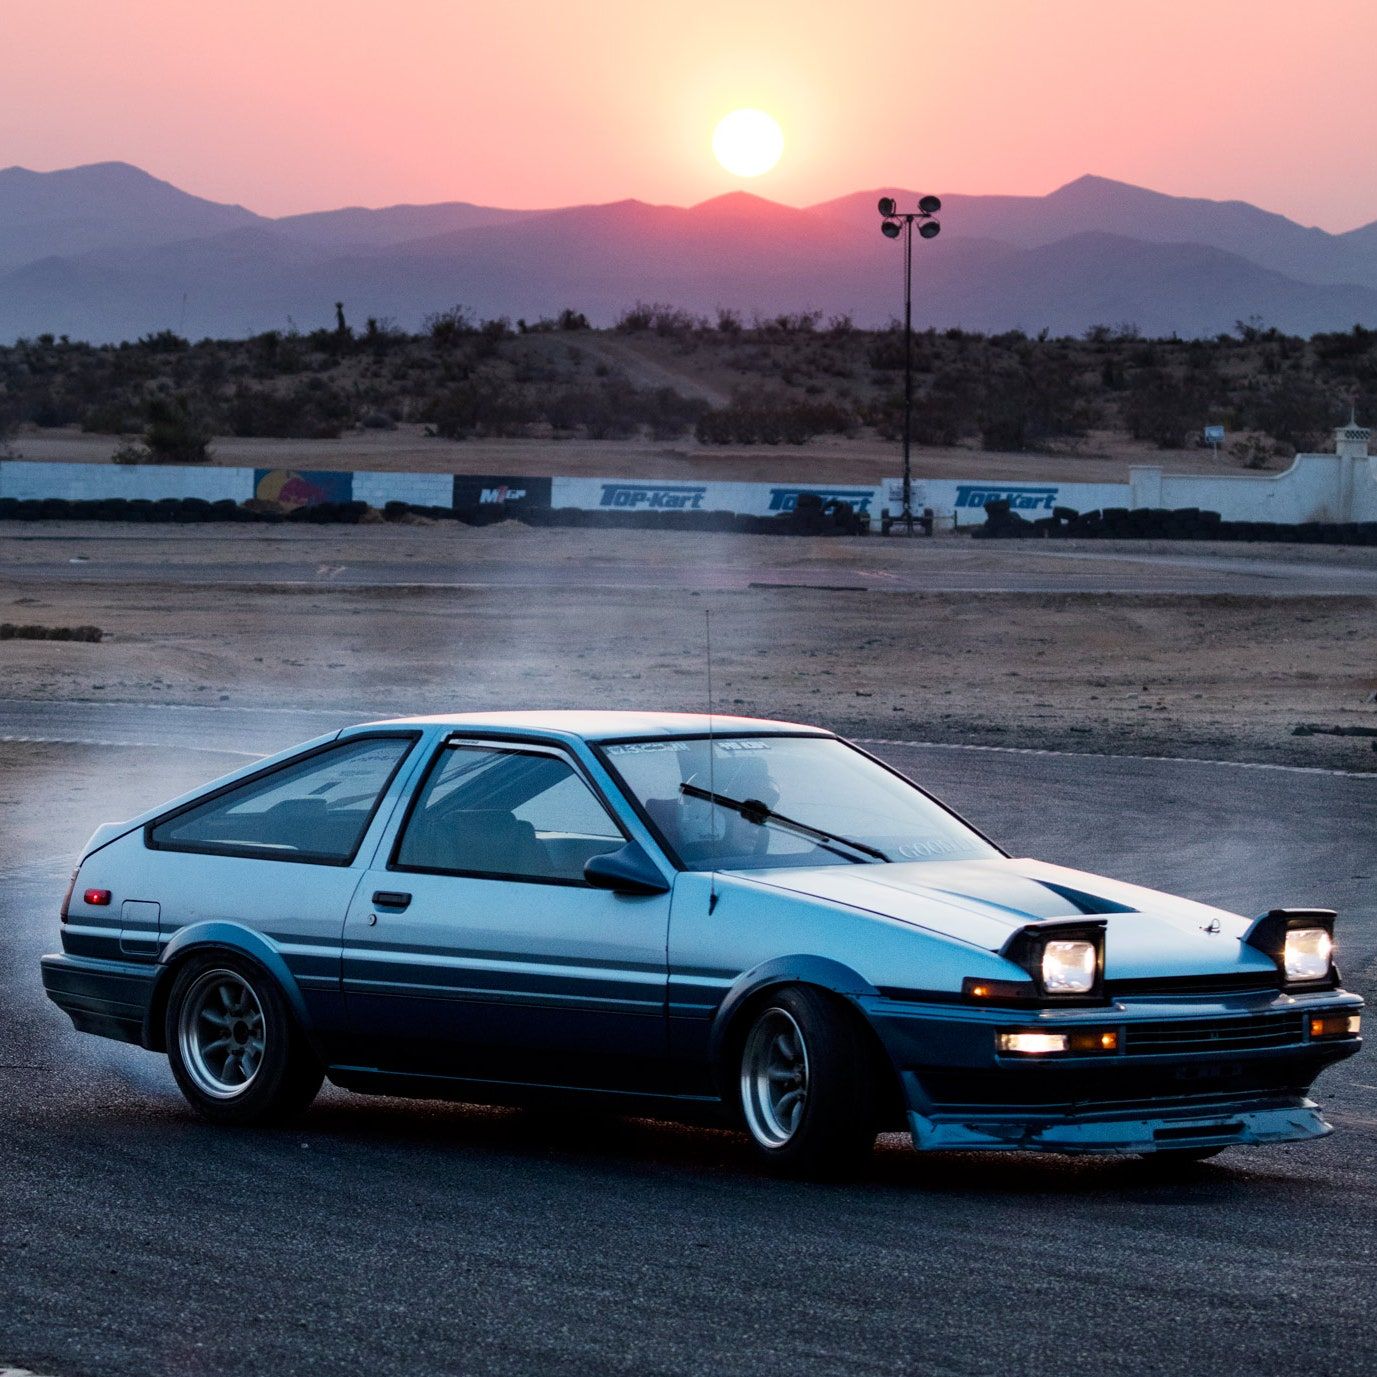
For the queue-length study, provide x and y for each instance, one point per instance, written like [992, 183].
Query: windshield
[770, 801]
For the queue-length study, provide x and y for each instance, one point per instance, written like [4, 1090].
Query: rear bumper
[108, 998]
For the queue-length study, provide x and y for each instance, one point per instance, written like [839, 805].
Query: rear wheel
[808, 1085]
[235, 1050]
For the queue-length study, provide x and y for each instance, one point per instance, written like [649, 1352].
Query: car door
[475, 948]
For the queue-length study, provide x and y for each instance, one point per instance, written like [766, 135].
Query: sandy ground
[1099, 459]
[1211, 676]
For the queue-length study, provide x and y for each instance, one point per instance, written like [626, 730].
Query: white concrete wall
[1317, 487]
[27, 480]
[420, 489]
[1365, 489]
[1310, 490]
[693, 495]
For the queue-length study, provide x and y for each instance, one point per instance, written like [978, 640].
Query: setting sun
[747, 142]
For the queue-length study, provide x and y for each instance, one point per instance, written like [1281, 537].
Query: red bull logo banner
[292, 488]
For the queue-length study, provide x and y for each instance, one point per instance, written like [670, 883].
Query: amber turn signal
[1341, 1025]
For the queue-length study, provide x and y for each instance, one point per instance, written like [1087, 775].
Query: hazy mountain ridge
[113, 253]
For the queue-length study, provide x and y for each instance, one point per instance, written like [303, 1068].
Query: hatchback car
[676, 915]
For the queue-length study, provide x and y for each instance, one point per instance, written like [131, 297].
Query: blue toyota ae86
[676, 915]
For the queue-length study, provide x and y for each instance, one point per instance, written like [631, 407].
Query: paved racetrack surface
[382, 1236]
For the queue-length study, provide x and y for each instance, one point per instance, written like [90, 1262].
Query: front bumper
[1220, 1125]
[1235, 1070]
[108, 998]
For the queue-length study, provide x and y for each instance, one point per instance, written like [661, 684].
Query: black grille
[1123, 1084]
[1245, 982]
[1223, 1035]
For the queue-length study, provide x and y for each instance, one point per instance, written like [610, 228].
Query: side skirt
[364, 1080]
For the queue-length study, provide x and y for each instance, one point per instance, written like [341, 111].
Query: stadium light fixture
[893, 223]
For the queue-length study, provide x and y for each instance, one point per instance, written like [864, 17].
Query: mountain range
[108, 252]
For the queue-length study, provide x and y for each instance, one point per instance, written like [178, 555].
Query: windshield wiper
[761, 814]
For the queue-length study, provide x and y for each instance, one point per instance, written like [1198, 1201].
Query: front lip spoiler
[1284, 1121]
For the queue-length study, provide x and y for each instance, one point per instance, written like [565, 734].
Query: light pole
[895, 222]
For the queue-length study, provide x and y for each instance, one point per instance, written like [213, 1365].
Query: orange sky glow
[292, 105]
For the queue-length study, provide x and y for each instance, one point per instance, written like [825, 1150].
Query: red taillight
[97, 898]
[67, 897]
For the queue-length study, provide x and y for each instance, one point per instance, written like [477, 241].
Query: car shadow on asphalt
[615, 1146]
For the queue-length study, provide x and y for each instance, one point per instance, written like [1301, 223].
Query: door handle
[391, 898]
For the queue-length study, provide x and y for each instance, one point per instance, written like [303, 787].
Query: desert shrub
[658, 317]
[772, 420]
[616, 410]
[116, 416]
[163, 342]
[177, 431]
[312, 411]
[1162, 409]
[1293, 409]
[470, 409]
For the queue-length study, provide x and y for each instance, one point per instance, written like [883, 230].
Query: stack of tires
[1146, 523]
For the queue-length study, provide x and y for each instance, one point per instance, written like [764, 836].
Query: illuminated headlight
[1308, 954]
[1068, 966]
[1033, 1044]
[1081, 1041]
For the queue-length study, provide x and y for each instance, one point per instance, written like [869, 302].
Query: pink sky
[290, 105]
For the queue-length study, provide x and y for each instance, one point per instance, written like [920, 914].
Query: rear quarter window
[315, 808]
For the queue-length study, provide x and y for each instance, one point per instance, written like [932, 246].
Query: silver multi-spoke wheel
[774, 1078]
[220, 1034]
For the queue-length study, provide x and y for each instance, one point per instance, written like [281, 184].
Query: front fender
[225, 937]
[821, 971]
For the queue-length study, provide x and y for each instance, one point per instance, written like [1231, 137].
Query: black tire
[829, 1131]
[266, 1073]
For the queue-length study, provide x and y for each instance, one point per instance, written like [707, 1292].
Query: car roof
[599, 725]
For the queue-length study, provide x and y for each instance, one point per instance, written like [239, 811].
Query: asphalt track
[388, 1236]
[1013, 567]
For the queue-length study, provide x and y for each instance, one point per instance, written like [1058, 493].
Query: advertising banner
[963, 500]
[652, 495]
[479, 495]
[293, 488]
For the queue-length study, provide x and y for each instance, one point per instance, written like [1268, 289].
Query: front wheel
[235, 1050]
[808, 1085]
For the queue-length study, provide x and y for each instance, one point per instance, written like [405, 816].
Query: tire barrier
[813, 517]
[1148, 523]
[173, 509]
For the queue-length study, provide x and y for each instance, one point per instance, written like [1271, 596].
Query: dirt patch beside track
[1215, 676]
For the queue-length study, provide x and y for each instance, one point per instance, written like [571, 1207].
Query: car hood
[984, 902]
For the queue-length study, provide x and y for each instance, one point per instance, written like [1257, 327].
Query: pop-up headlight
[1064, 957]
[1069, 967]
[1308, 954]
[1301, 942]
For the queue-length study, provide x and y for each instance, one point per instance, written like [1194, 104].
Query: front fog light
[1068, 966]
[1308, 954]
[1032, 1044]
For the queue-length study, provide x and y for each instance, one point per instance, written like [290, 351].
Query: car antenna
[712, 770]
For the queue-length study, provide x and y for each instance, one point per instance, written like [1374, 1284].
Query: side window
[316, 809]
[516, 814]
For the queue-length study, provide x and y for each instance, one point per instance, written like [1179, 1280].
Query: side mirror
[625, 871]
